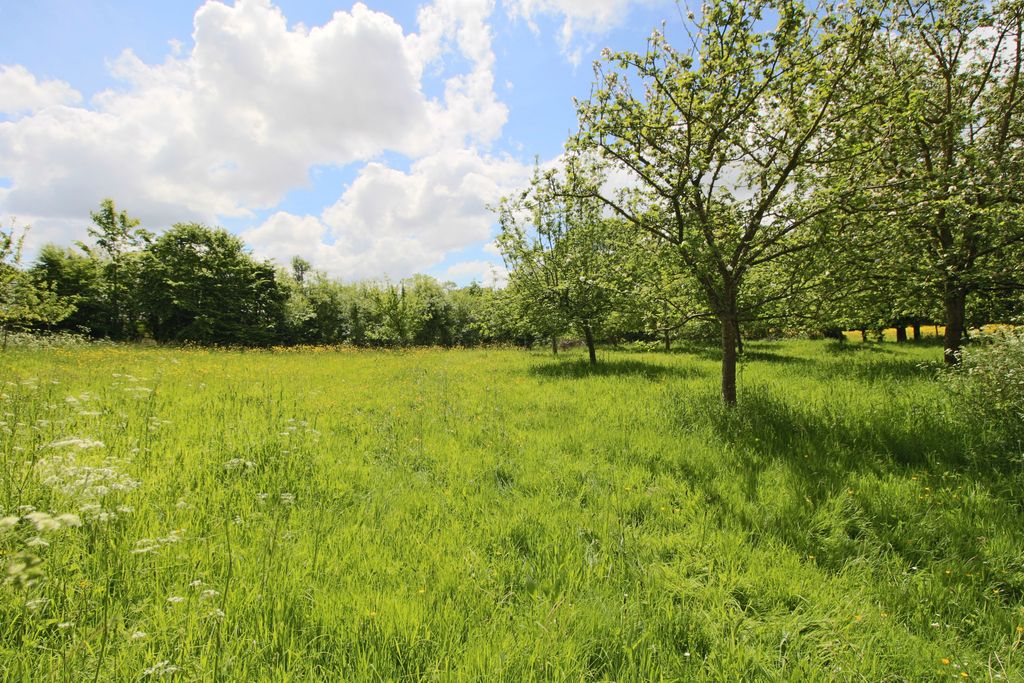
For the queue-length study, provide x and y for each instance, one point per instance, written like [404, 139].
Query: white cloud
[21, 92]
[239, 120]
[487, 273]
[395, 223]
[589, 17]
[230, 125]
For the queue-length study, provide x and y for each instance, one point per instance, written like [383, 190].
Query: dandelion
[945, 661]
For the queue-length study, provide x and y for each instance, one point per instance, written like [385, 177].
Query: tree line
[197, 284]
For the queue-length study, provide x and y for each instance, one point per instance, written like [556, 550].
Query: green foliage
[987, 390]
[78, 278]
[25, 302]
[727, 145]
[947, 176]
[500, 515]
[560, 255]
[200, 285]
[119, 237]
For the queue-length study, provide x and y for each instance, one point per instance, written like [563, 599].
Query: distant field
[501, 515]
[889, 333]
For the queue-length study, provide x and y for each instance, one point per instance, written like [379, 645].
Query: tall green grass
[502, 515]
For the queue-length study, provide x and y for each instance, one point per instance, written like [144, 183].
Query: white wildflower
[43, 521]
[208, 594]
[8, 522]
[65, 625]
[69, 519]
[239, 464]
[138, 635]
[37, 542]
[76, 442]
[175, 599]
[161, 668]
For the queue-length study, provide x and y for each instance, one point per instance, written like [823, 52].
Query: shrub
[987, 388]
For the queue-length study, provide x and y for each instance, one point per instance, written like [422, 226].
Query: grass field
[501, 515]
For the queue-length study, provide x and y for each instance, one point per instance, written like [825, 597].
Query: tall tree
[950, 178]
[557, 247]
[117, 234]
[725, 142]
[200, 285]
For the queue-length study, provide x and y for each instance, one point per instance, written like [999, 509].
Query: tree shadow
[820, 447]
[614, 368]
[762, 356]
[886, 370]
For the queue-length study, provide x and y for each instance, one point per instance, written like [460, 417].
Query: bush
[987, 388]
[55, 340]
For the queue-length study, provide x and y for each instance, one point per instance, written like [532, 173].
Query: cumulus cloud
[394, 223]
[228, 127]
[21, 92]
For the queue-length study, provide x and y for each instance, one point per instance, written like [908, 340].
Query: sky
[368, 138]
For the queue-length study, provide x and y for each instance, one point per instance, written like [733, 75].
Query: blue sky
[367, 138]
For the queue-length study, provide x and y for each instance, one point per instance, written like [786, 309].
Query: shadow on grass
[887, 370]
[835, 440]
[616, 368]
[820, 446]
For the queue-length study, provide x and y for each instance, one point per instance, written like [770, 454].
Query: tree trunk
[864, 334]
[955, 300]
[668, 340]
[901, 333]
[554, 346]
[729, 361]
[739, 338]
[917, 331]
[588, 334]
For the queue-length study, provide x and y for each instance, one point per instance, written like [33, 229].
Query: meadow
[502, 515]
